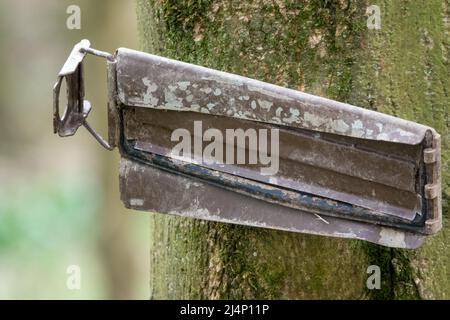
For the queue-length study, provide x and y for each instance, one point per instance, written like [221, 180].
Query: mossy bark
[324, 48]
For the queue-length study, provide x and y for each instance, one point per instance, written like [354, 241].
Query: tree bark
[324, 48]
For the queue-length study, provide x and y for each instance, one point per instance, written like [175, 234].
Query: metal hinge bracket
[77, 108]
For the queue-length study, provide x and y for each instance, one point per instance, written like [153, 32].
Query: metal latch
[77, 108]
[212, 145]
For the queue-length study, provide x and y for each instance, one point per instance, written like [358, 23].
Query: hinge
[432, 160]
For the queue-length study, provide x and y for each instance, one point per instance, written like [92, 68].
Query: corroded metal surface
[351, 172]
[151, 81]
[343, 171]
[147, 188]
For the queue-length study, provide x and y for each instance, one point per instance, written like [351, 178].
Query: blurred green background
[59, 198]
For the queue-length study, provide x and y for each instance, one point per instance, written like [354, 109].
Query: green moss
[324, 48]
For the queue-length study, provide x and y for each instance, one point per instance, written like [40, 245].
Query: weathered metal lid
[342, 171]
[145, 80]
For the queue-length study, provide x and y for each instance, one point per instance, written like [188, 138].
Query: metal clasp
[77, 108]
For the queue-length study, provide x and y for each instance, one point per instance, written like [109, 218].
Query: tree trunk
[324, 48]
